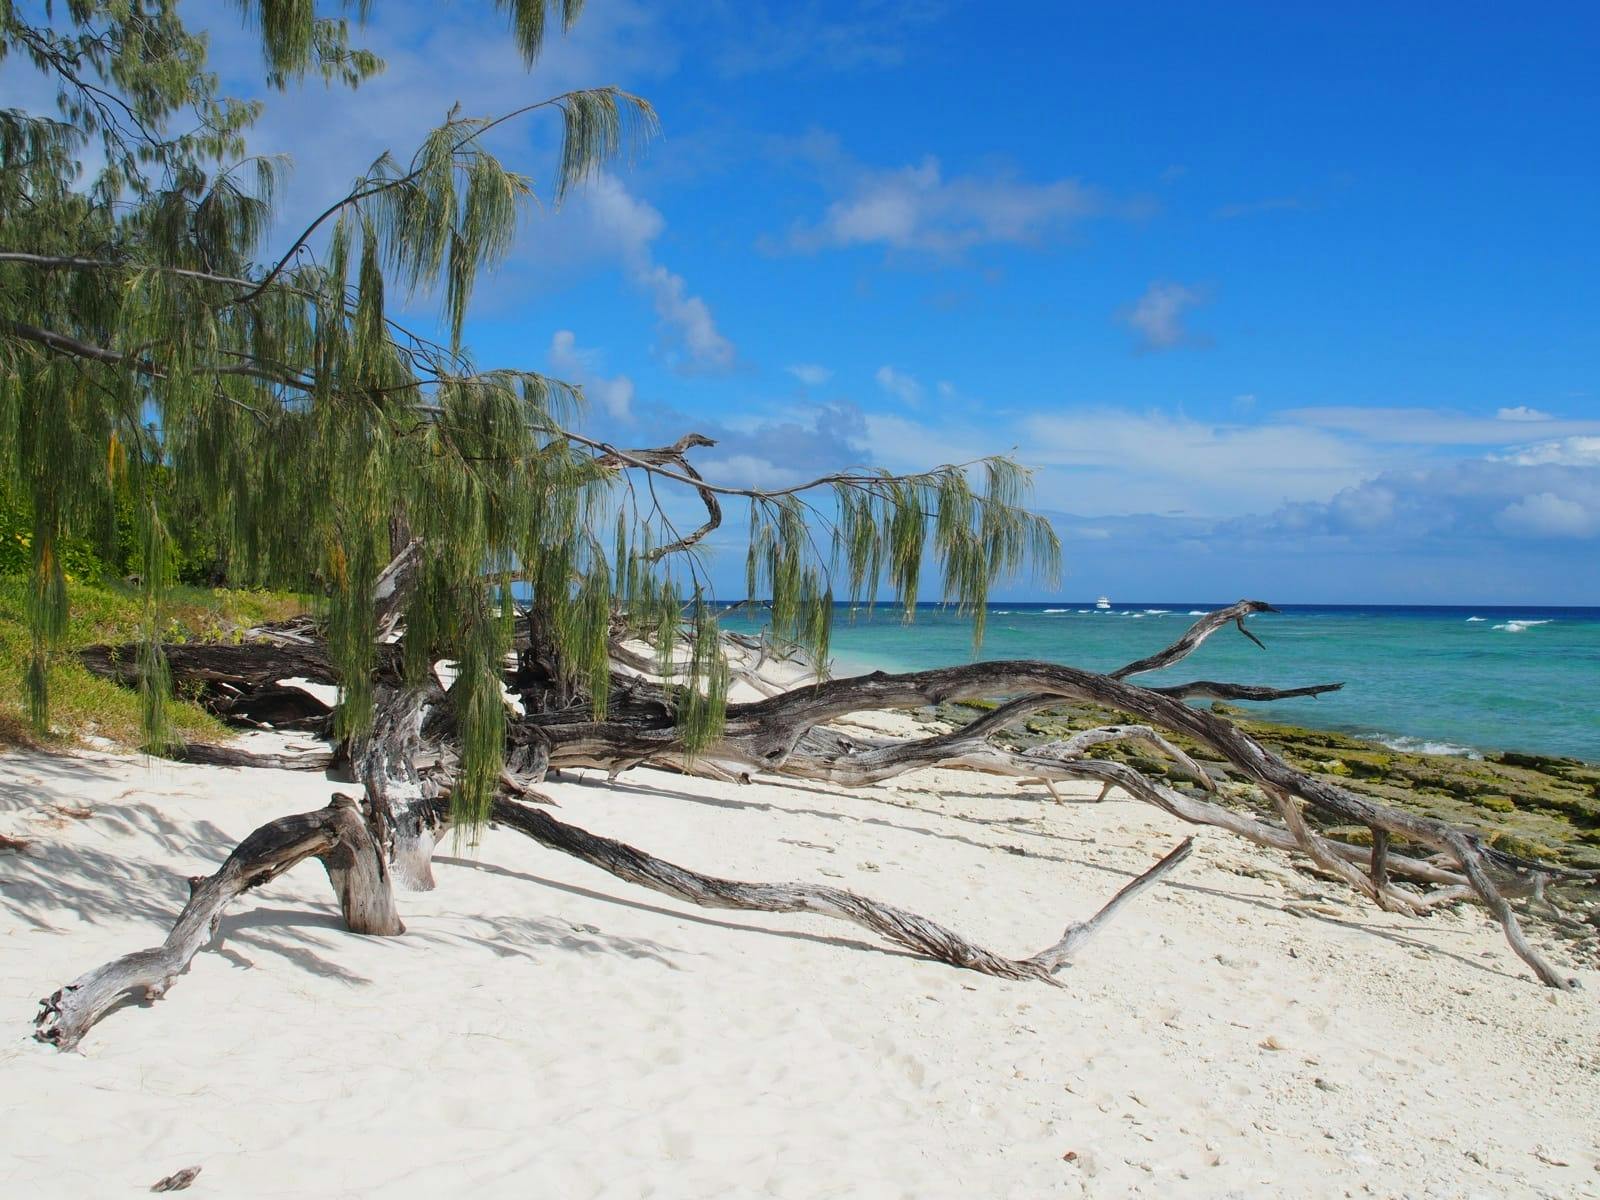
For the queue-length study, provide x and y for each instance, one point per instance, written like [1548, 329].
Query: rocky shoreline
[1538, 805]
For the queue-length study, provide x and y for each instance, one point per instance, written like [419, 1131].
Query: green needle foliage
[155, 356]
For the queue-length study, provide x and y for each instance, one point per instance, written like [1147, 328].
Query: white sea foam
[1470, 620]
[1197, 612]
[1521, 626]
[1157, 612]
[1412, 745]
[1057, 610]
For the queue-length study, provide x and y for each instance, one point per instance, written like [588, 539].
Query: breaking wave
[1412, 745]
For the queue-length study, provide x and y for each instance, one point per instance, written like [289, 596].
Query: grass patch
[83, 705]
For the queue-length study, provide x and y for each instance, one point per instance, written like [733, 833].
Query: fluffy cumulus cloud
[1466, 502]
[1576, 451]
[1290, 509]
[1548, 515]
[920, 208]
[1157, 318]
[606, 222]
[613, 395]
[687, 319]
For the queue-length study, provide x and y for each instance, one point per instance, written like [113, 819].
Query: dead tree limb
[399, 793]
[674, 455]
[231, 756]
[335, 834]
[784, 734]
[1197, 633]
[916, 933]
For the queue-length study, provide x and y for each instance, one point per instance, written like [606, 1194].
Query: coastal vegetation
[497, 594]
[87, 709]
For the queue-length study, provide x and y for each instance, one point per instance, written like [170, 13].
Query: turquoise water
[1449, 680]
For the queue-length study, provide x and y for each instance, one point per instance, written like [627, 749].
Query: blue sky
[1296, 301]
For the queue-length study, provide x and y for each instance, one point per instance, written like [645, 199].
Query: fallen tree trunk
[786, 735]
[335, 834]
[916, 933]
[340, 837]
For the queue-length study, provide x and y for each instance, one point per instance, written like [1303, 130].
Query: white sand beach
[545, 1030]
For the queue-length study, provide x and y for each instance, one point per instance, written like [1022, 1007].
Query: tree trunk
[336, 834]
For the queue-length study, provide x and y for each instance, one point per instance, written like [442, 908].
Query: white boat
[1103, 602]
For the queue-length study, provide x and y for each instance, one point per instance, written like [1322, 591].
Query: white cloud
[902, 444]
[1157, 316]
[748, 470]
[603, 220]
[570, 362]
[601, 223]
[1124, 462]
[1460, 503]
[607, 221]
[687, 318]
[810, 374]
[1547, 515]
[918, 208]
[1521, 412]
[1434, 426]
[1578, 451]
[898, 384]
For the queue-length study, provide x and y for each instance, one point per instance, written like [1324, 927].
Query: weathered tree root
[335, 834]
[340, 837]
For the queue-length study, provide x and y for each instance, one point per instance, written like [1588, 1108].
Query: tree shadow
[834, 815]
[679, 915]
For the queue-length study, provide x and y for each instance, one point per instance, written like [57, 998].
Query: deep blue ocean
[1448, 680]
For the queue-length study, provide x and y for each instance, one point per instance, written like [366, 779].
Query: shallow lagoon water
[1443, 680]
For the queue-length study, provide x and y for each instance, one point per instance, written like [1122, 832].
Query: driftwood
[231, 756]
[406, 765]
[904, 928]
[336, 834]
[340, 837]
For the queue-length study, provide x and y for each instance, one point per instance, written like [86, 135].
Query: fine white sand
[544, 1030]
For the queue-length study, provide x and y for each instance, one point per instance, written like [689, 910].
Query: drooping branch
[336, 834]
[674, 455]
[1195, 634]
